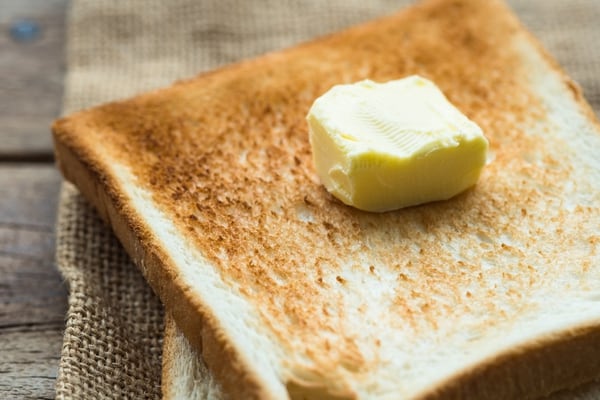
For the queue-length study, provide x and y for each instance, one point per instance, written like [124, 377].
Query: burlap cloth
[116, 48]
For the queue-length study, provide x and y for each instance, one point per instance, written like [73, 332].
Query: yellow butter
[384, 146]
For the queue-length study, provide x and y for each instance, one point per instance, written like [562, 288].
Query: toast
[287, 293]
[186, 377]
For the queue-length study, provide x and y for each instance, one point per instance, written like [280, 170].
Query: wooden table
[33, 297]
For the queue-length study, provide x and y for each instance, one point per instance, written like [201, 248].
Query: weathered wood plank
[30, 357]
[33, 297]
[31, 78]
[29, 195]
[12, 9]
[31, 293]
[27, 243]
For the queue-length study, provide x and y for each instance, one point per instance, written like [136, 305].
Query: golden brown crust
[169, 355]
[226, 157]
[103, 192]
[529, 372]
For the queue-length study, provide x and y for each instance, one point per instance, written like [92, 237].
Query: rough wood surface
[28, 368]
[32, 294]
[31, 75]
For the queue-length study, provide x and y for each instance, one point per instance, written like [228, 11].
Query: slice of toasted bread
[286, 292]
[186, 377]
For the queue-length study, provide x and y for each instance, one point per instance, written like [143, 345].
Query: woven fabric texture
[113, 335]
[114, 325]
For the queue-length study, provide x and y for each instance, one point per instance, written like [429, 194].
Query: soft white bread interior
[185, 376]
[287, 293]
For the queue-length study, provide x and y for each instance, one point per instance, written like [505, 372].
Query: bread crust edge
[237, 378]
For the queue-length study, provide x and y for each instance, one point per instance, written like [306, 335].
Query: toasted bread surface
[287, 292]
[185, 376]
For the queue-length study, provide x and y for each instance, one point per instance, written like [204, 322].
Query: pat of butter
[384, 146]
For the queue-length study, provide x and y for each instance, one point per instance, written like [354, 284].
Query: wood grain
[28, 194]
[28, 369]
[33, 297]
[32, 294]
[31, 79]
